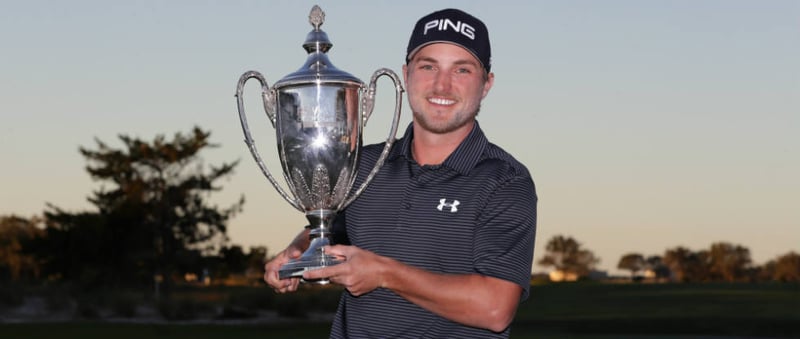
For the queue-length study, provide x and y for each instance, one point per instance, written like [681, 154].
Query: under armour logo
[452, 205]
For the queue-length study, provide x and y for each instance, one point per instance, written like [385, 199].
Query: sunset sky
[646, 124]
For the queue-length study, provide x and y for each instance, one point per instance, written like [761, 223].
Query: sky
[646, 125]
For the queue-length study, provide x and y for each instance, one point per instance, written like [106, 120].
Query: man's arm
[470, 299]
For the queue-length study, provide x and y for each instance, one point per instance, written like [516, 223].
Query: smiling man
[441, 241]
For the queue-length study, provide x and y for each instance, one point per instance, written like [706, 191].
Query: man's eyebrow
[427, 59]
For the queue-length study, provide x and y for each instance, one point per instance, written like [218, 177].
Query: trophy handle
[269, 107]
[368, 103]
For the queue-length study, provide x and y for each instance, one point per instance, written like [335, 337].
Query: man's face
[445, 85]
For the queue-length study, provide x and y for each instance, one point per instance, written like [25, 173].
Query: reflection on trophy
[319, 113]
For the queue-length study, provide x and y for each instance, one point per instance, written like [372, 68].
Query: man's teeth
[440, 101]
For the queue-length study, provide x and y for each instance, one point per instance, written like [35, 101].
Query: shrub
[124, 304]
[252, 299]
[181, 309]
[87, 308]
[292, 305]
[11, 295]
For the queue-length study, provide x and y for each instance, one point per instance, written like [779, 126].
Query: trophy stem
[314, 257]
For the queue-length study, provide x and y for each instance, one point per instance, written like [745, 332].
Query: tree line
[152, 222]
[721, 262]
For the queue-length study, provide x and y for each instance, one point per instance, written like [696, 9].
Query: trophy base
[314, 257]
[295, 268]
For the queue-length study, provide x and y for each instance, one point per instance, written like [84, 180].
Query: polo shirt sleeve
[506, 232]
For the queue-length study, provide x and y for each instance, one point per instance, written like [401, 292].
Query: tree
[78, 247]
[256, 259]
[633, 262]
[15, 235]
[154, 211]
[687, 265]
[656, 264]
[234, 260]
[565, 254]
[765, 272]
[787, 268]
[728, 262]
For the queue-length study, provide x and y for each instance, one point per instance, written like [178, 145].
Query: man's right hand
[293, 251]
[271, 271]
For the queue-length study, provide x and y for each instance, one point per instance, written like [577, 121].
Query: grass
[751, 310]
[88, 330]
[573, 310]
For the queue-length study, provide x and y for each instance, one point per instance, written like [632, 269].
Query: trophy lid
[317, 69]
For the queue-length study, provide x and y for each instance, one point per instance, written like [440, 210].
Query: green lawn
[90, 330]
[763, 310]
[576, 310]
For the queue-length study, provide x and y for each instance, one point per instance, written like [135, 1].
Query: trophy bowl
[319, 113]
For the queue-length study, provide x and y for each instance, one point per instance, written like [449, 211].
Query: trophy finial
[316, 17]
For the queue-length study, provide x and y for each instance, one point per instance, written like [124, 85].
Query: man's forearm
[471, 299]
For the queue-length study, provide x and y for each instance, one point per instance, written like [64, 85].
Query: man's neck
[429, 148]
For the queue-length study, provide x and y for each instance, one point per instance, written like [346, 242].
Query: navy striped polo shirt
[474, 213]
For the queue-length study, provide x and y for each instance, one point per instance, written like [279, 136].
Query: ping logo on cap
[445, 24]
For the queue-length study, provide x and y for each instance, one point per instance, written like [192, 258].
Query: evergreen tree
[152, 210]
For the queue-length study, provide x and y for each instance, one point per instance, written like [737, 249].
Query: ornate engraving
[302, 191]
[321, 187]
[343, 184]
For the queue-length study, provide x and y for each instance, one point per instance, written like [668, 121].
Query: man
[442, 238]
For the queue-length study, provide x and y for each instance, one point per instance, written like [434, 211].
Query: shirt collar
[463, 159]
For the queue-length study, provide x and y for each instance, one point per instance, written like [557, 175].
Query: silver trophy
[319, 113]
